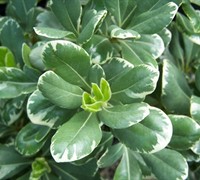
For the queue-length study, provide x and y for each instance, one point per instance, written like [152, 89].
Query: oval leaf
[195, 108]
[77, 138]
[123, 116]
[135, 84]
[14, 82]
[167, 164]
[186, 132]
[31, 138]
[72, 67]
[173, 77]
[89, 29]
[60, 92]
[42, 112]
[111, 155]
[148, 136]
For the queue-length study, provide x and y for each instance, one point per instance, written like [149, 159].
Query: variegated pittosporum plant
[100, 89]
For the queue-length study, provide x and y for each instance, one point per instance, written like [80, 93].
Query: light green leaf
[186, 132]
[148, 136]
[59, 92]
[167, 164]
[31, 138]
[154, 20]
[195, 108]
[53, 33]
[26, 50]
[91, 26]
[12, 37]
[105, 89]
[11, 162]
[69, 17]
[36, 57]
[42, 112]
[119, 33]
[135, 84]
[14, 82]
[77, 138]
[111, 155]
[123, 116]
[6, 57]
[73, 67]
[128, 167]
[144, 50]
[173, 77]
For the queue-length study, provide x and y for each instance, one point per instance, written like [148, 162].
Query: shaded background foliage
[89, 87]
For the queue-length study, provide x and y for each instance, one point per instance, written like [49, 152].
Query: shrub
[90, 87]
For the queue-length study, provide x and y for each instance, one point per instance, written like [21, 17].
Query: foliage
[92, 85]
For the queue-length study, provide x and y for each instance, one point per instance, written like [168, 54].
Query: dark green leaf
[31, 139]
[112, 154]
[167, 164]
[68, 16]
[173, 77]
[11, 162]
[128, 167]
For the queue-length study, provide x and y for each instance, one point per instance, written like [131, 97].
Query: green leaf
[144, 50]
[148, 136]
[195, 108]
[12, 110]
[59, 92]
[42, 112]
[14, 82]
[53, 33]
[11, 163]
[91, 26]
[173, 77]
[31, 138]
[167, 164]
[123, 116]
[135, 84]
[197, 78]
[95, 74]
[105, 89]
[77, 138]
[128, 167]
[155, 19]
[99, 48]
[119, 33]
[12, 37]
[111, 155]
[73, 67]
[122, 11]
[69, 17]
[121, 67]
[186, 132]
[70, 171]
